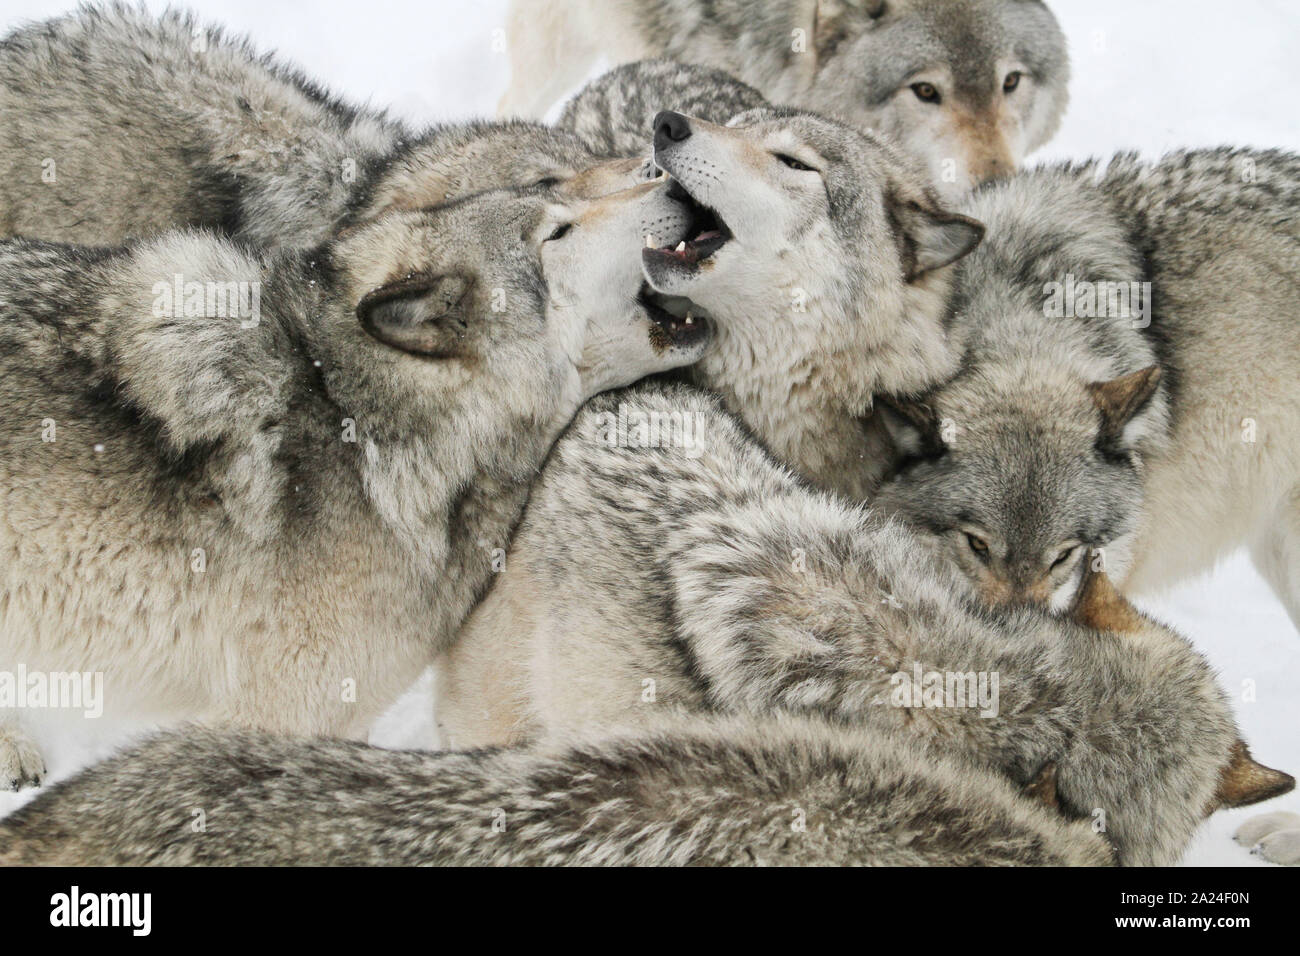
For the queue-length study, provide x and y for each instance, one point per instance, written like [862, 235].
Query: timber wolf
[731, 791]
[723, 584]
[969, 86]
[98, 149]
[614, 113]
[1274, 836]
[825, 263]
[265, 491]
[1118, 402]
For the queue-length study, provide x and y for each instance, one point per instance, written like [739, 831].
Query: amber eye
[1062, 557]
[977, 544]
[793, 163]
[926, 92]
[1011, 82]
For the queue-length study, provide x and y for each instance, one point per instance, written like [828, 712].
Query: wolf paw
[20, 762]
[1274, 836]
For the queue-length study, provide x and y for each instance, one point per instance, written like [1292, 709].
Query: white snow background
[1149, 75]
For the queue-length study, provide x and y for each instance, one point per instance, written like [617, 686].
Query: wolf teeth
[650, 241]
[681, 246]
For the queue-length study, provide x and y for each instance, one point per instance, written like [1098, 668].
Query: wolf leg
[1274, 836]
[549, 54]
[1276, 553]
[21, 764]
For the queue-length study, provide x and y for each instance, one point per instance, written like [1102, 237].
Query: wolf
[264, 490]
[1274, 836]
[969, 86]
[724, 584]
[825, 263]
[120, 124]
[1142, 426]
[614, 113]
[716, 791]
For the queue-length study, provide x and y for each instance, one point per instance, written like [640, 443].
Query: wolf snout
[671, 128]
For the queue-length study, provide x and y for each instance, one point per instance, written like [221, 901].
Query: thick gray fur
[723, 792]
[722, 583]
[615, 112]
[115, 123]
[997, 70]
[1018, 451]
[277, 518]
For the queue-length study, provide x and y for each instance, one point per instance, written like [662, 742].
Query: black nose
[671, 128]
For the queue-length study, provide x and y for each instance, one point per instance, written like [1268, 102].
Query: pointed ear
[421, 314]
[1122, 398]
[932, 238]
[1102, 608]
[1042, 789]
[912, 425]
[1243, 781]
[833, 19]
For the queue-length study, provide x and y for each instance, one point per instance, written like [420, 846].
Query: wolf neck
[449, 510]
[805, 381]
[450, 494]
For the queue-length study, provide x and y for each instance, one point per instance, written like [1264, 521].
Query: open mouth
[706, 227]
[677, 320]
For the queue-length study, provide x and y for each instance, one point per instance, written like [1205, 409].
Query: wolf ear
[1120, 399]
[1243, 781]
[831, 21]
[421, 314]
[913, 426]
[1102, 608]
[933, 238]
[1042, 789]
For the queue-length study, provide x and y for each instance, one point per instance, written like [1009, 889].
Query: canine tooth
[681, 246]
[649, 241]
[690, 319]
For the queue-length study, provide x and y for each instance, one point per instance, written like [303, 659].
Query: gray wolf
[120, 124]
[1143, 427]
[733, 791]
[723, 584]
[825, 263]
[265, 491]
[1274, 836]
[614, 113]
[969, 86]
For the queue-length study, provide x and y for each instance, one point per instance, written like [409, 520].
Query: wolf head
[459, 160]
[536, 301]
[819, 252]
[971, 86]
[1127, 714]
[1021, 475]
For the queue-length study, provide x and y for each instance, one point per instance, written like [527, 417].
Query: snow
[1148, 76]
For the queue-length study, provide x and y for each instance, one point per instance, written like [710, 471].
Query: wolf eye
[925, 92]
[1063, 557]
[978, 545]
[1011, 82]
[547, 182]
[794, 163]
[559, 233]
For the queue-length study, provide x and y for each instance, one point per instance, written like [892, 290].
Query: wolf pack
[761, 457]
